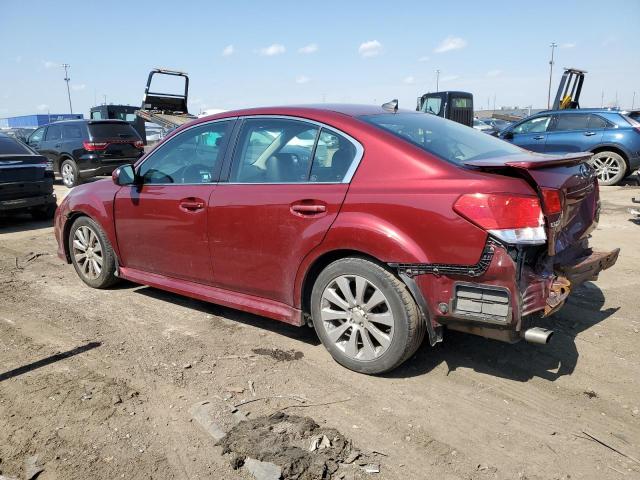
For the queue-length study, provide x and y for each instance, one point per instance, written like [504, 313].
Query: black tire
[610, 167]
[69, 173]
[408, 327]
[106, 277]
[44, 213]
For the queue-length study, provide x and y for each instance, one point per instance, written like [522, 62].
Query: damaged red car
[378, 226]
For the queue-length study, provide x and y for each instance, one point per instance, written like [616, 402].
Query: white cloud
[424, 59]
[42, 107]
[311, 48]
[568, 45]
[271, 50]
[494, 73]
[450, 43]
[370, 48]
[78, 86]
[302, 79]
[410, 80]
[49, 64]
[228, 51]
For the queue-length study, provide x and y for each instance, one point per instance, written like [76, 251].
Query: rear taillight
[138, 144]
[511, 218]
[94, 146]
[551, 201]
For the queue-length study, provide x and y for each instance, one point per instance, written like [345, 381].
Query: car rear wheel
[365, 316]
[69, 173]
[609, 166]
[91, 254]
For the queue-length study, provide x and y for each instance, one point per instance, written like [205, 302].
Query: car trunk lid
[568, 175]
[24, 176]
[115, 140]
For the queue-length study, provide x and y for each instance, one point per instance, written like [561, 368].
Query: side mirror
[124, 175]
[508, 135]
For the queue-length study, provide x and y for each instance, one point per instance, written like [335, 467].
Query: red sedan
[378, 226]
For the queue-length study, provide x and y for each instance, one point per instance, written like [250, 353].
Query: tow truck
[169, 110]
[453, 105]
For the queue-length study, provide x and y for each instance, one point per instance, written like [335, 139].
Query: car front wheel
[91, 254]
[365, 316]
[609, 166]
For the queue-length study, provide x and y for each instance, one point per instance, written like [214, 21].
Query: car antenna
[391, 106]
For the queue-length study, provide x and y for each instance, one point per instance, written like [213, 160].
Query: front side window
[36, 136]
[569, 121]
[535, 125]
[54, 132]
[273, 150]
[193, 156]
[449, 140]
[432, 105]
[333, 156]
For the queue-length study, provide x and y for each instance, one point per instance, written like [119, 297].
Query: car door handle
[57, 145]
[191, 204]
[539, 137]
[589, 134]
[306, 209]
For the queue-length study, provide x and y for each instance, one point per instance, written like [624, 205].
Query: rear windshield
[112, 130]
[449, 140]
[9, 146]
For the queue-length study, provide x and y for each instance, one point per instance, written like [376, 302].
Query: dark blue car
[613, 137]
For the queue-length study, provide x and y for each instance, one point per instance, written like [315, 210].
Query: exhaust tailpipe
[538, 335]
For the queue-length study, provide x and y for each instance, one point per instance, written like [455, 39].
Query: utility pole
[633, 101]
[494, 102]
[437, 80]
[104, 96]
[67, 79]
[602, 99]
[553, 47]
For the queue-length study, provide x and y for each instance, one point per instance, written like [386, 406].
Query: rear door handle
[588, 134]
[305, 209]
[539, 137]
[191, 204]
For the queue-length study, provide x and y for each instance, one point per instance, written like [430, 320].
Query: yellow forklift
[569, 90]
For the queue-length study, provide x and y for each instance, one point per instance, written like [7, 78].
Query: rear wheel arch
[614, 149]
[58, 162]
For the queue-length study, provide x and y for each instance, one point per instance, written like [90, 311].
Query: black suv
[26, 180]
[82, 149]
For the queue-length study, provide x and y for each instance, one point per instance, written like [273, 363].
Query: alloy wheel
[87, 252]
[68, 176]
[606, 167]
[357, 317]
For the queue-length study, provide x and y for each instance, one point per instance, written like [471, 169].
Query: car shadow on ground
[22, 223]
[303, 334]
[521, 361]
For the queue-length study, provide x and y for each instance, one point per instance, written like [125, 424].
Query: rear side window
[73, 131]
[9, 146]
[597, 122]
[108, 130]
[274, 151]
[448, 140]
[569, 121]
[54, 132]
[333, 156]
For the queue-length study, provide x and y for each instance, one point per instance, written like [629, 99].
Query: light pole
[67, 79]
[553, 47]
[633, 101]
[437, 79]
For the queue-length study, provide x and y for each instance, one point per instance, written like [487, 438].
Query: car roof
[579, 111]
[351, 110]
[87, 121]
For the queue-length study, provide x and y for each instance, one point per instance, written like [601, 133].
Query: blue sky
[249, 53]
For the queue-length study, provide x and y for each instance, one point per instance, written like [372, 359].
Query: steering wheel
[196, 173]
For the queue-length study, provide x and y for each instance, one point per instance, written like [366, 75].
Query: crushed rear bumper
[495, 300]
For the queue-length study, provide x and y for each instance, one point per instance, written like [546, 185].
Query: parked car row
[380, 228]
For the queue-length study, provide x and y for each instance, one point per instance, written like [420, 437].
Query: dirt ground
[102, 384]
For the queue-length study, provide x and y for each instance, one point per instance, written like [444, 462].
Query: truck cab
[452, 105]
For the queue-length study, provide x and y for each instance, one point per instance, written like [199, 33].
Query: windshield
[449, 140]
